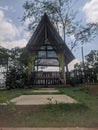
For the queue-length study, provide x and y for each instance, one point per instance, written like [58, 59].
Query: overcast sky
[12, 32]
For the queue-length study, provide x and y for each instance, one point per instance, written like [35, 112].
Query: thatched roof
[46, 29]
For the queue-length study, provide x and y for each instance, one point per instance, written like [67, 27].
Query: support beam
[62, 65]
[31, 62]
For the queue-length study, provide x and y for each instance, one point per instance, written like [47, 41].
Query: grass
[83, 114]
[6, 95]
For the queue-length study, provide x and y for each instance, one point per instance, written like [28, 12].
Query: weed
[2, 98]
[11, 106]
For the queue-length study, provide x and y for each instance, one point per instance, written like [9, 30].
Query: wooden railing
[47, 78]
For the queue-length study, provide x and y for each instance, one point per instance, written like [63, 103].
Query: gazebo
[46, 48]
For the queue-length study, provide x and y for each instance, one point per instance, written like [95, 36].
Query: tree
[92, 60]
[92, 57]
[4, 54]
[16, 58]
[62, 14]
[15, 62]
[88, 71]
[23, 59]
[19, 57]
[18, 64]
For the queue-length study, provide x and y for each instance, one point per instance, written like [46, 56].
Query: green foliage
[7, 95]
[16, 78]
[2, 98]
[11, 106]
[4, 56]
[17, 57]
[80, 107]
[92, 57]
[15, 62]
[87, 72]
[24, 57]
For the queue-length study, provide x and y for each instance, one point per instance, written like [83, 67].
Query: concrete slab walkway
[76, 128]
[46, 91]
[42, 99]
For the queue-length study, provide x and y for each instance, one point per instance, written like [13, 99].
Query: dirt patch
[93, 89]
[76, 128]
[10, 117]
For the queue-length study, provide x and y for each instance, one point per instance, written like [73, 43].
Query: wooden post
[31, 62]
[62, 65]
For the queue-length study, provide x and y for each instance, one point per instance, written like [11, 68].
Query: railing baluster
[46, 78]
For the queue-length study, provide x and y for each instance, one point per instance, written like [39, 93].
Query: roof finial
[45, 14]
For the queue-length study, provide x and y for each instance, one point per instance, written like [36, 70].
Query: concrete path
[77, 128]
[42, 99]
[46, 91]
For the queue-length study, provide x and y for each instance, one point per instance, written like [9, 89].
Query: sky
[13, 33]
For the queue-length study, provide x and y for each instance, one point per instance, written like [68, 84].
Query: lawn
[83, 114]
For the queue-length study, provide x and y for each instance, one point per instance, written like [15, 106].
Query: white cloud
[72, 37]
[4, 8]
[7, 8]
[14, 43]
[11, 35]
[7, 29]
[91, 11]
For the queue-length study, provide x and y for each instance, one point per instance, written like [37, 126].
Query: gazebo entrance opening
[45, 59]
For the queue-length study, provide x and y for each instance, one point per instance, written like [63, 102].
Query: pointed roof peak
[45, 27]
[45, 16]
